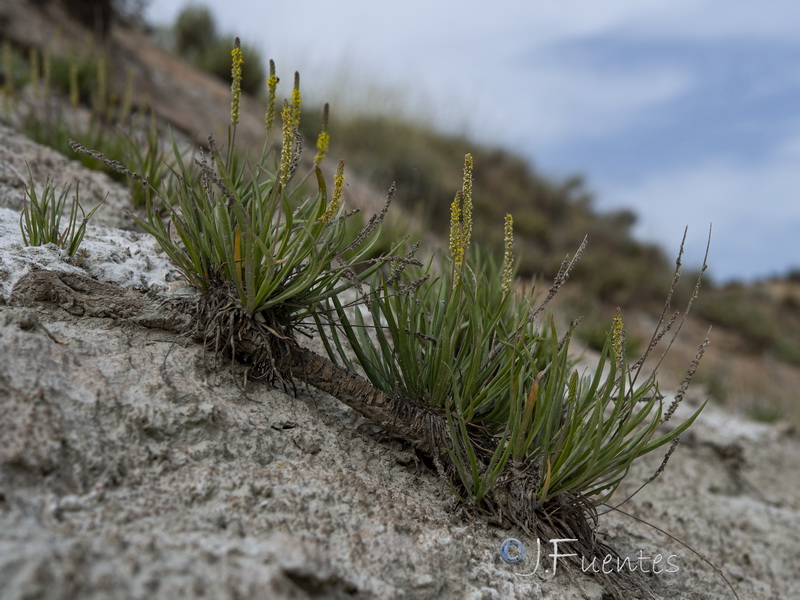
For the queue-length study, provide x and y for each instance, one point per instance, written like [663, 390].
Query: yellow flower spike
[461, 219]
[324, 140]
[297, 100]
[46, 73]
[288, 141]
[508, 257]
[272, 85]
[466, 191]
[338, 190]
[456, 235]
[236, 80]
[617, 335]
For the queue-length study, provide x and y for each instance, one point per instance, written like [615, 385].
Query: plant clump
[463, 344]
[265, 252]
[41, 218]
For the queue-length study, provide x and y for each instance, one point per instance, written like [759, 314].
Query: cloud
[652, 20]
[565, 101]
[754, 209]
[502, 69]
[709, 20]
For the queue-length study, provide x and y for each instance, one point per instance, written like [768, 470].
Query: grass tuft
[455, 339]
[248, 235]
[41, 218]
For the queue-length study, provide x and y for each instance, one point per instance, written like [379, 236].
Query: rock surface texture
[134, 464]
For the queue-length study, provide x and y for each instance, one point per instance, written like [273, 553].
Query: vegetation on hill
[551, 218]
[195, 37]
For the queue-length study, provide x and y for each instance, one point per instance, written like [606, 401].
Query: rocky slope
[134, 464]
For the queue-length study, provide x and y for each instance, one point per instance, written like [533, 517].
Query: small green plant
[244, 231]
[40, 221]
[463, 344]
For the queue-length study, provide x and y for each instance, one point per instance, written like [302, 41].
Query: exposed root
[261, 341]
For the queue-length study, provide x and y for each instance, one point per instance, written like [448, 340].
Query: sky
[685, 111]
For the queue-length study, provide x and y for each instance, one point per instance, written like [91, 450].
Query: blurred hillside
[551, 218]
[754, 359]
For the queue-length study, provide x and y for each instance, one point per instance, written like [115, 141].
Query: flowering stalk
[236, 92]
[323, 140]
[297, 100]
[101, 87]
[46, 73]
[272, 85]
[236, 80]
[466, 191]
[127, 98]
[508, 257]
[288, 140]
[456, 235]
[461, 219]
[33, 59]
[338, 190]
[74, 94]
[618, 336]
